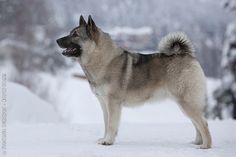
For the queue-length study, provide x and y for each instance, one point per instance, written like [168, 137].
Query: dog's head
[82, 39]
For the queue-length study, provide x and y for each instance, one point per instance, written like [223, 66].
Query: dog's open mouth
[72, 51]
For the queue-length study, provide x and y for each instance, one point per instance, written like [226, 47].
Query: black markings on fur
[73, 30]
[142, 59]
[82, 22]
[180, 45]
[124, 68]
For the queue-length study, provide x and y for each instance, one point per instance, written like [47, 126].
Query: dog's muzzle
[71, 49]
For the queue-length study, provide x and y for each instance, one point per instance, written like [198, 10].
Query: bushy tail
[176, 43]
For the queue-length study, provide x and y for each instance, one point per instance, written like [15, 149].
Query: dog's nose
[58, 41]
[61, 42]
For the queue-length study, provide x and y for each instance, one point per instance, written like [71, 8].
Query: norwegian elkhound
[121, 78]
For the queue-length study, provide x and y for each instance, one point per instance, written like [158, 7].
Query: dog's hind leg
[194, 113]
[198, 138]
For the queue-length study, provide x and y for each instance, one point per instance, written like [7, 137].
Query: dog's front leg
[114, 114]
[105, 117]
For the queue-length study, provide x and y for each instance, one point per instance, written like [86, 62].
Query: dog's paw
[204, 146]
[104, 141]
[99, 141]
[196, 142]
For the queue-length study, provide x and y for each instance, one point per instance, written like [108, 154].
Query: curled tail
[176, 43]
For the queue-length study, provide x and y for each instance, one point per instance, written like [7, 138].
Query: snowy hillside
[25, 107]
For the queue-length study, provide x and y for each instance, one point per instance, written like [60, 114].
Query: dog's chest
[99, 90]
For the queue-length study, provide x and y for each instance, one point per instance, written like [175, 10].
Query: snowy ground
[139, 140]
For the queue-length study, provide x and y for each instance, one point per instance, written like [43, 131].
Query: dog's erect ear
[82, 22]
[91, 23]
[92, 29]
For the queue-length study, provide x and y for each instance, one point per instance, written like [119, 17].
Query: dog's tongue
[70, 49]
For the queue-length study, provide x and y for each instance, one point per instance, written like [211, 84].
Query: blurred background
[41, 82]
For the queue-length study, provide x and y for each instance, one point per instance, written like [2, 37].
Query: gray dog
[121, 78]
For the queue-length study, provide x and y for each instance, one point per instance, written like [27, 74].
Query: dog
[120, 78]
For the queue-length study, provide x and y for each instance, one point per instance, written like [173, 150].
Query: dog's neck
[95, 68]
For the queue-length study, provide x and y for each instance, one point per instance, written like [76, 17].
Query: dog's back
[138, 77]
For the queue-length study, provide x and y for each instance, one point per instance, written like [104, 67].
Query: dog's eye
[74, 34]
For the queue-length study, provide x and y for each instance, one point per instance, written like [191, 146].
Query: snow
[230, 38]
[9, 42]
[130, 31]
[229, 4]
[40, 34]
[212, 85]
[139, 140]
[25, 107]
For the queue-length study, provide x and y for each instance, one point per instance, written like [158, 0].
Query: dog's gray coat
[121, 78]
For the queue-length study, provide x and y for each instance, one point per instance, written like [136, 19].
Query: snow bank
[25, 107]
[76, 102]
